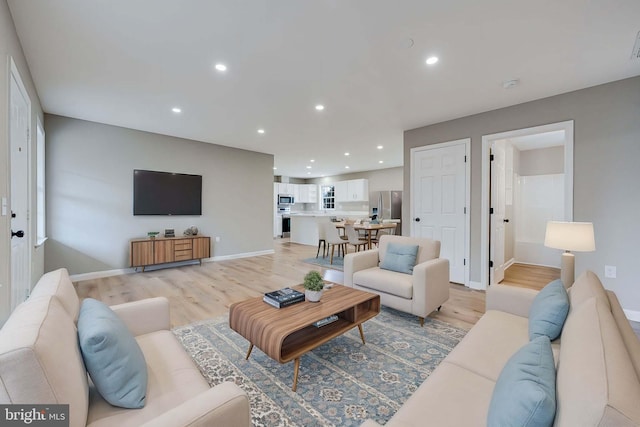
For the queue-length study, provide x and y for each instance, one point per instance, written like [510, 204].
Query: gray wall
[90, 193]
[10, 47]
[606, 173]
[542, 161]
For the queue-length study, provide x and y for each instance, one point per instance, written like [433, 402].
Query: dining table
[369, 228]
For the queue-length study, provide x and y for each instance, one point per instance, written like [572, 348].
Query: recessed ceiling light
[346, 167]
[312, 160]
[275, 168]
[380, 161]
[221, 67]
[308, 173]
[308, 167]
[319, 107]
[260, 130]
[432, 60]
[346, 154]
[379, 147]
[176, 110]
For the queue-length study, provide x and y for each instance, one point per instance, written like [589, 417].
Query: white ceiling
[127, 63]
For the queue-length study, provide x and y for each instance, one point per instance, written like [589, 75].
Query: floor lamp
[569, 236]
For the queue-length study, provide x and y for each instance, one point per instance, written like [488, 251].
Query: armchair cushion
[385, 281]
[112, 356]
[549, 311]
[400, 258]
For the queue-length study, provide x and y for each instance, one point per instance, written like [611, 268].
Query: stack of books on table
[283, 297]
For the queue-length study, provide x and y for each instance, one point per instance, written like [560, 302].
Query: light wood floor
[530, 276]
[202, 292]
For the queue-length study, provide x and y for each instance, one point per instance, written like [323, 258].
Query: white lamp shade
[570, 236]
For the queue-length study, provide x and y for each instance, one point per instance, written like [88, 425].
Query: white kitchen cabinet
[354, 190]
[308, 193]
[287, 188]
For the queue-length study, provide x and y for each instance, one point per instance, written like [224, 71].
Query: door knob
[18, 233]
[505, 220]
[417, 219]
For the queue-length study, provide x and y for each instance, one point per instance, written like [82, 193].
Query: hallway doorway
[527, 180]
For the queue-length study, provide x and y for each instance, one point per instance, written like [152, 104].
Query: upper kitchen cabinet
[308, 193]
[354, 190]
[286, 188]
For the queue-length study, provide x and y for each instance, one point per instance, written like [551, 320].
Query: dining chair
[353, 238]
[322, 240]
[333, 239]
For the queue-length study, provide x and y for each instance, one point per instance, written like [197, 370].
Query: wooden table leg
[296, 368]
[249, 352]
[361, 333]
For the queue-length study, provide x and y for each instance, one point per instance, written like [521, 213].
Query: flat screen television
[166, 193]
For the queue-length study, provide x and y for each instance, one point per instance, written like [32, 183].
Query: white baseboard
[120, 271]
[632, 315]
[237, 256]
[100, 274]
[476, 285]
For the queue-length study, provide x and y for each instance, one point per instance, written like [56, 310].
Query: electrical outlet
[217, 238]
[610, 271]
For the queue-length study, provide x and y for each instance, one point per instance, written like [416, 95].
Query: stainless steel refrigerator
[387, 205]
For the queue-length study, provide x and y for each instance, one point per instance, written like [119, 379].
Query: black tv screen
[166, 193]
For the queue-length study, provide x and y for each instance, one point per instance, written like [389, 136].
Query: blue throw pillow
[525, 393]
[549, 311]
[400, 258]
[112, 356]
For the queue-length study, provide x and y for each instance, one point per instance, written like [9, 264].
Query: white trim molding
[100, 274]
[241, 255]
[467, 144]
[476, 285]
[118, 272]
[632, 315]
[567, 126]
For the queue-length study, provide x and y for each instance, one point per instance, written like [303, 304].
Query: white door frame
[15, 74]
[467, 171]
[567, 126]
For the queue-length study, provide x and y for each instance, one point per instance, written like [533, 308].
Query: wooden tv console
[161, 250]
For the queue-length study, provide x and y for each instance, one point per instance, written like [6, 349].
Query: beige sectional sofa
[41, 363]
[597, 363]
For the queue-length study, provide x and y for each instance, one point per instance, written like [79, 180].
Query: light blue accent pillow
[400, 258]
[525, 393]
[549, 311]
[112, 356]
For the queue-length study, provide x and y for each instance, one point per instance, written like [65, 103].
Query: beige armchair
[419, 293]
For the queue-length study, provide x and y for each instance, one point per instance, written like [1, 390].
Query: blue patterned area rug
[340, 383]
[338, 262]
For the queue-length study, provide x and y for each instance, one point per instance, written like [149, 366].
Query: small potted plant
[313, 285]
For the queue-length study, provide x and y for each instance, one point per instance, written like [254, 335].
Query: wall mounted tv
[166, 193]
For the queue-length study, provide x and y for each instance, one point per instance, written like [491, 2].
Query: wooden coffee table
[285, 334]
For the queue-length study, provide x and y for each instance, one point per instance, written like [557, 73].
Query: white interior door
[19, 124]
[498, 189]
[438, 202]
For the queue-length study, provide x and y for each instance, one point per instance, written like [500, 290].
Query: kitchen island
[304, 226]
